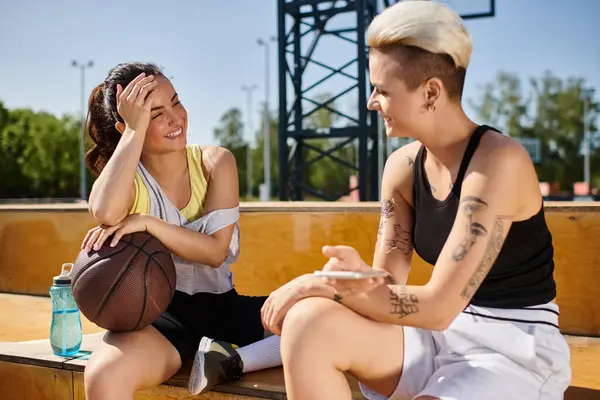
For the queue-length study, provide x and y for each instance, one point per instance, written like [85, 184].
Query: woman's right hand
[134, 103]
[278, 304]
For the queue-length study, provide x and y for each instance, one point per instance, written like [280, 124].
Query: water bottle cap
[64, 278]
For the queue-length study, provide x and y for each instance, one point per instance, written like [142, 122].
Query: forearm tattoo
[403, 303]
[400, 239]
[470, 205]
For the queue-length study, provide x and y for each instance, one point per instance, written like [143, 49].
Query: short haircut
[429, 39]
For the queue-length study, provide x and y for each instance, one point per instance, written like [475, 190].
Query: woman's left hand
[281, 300]
[96, 237]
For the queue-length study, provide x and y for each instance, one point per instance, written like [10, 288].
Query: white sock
[261, 355]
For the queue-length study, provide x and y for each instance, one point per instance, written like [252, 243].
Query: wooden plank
[28, 318]
[297, 230]
[578, 393]
[585, 362]
[267, 384]
[36, 353]
[577, 271]
[33, 247]
[33, 382]
[162, 392]
[262, 267]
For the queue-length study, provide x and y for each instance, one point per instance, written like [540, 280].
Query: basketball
[126, 287]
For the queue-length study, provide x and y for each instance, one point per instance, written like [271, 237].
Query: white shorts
[487, 353]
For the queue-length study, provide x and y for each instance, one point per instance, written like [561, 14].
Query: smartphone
[352, 274]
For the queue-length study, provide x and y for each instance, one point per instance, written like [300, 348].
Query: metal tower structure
[299, 21]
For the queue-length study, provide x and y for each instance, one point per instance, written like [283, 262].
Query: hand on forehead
[163, 93]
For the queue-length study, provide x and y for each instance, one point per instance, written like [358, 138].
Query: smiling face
[167, 130]
[402, 109]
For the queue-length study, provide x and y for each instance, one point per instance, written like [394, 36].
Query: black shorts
[229, 316]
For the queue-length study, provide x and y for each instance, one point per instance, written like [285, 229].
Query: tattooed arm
[394, 248]
[490, 198]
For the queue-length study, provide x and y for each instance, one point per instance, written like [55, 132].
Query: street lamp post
[82, 172]
[267, 134]
[586, 146]
[249, 90]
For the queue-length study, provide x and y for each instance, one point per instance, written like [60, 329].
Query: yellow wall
[283, 240]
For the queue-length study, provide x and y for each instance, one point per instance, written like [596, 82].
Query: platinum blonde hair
[425, 24]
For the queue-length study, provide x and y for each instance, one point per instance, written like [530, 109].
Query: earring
[431, 107]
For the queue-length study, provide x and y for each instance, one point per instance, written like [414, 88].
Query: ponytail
[100, 127]
[103, 115]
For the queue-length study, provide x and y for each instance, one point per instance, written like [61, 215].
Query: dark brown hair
[102, 113]
[419, 65]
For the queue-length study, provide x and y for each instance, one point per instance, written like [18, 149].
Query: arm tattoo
[338, 297]
[387, 208]
[471, 205]
[411, 160]
[403, 303]
[387, 212]
[400, 241]
[489, 257]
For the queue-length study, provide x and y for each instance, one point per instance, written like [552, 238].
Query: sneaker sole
[198, 381]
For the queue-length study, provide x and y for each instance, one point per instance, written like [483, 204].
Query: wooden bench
[29, 370]
[297, 230]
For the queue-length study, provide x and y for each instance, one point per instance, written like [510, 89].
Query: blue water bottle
[65, 330]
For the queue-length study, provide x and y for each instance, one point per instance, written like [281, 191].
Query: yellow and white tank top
[193, 209]
[150, 199]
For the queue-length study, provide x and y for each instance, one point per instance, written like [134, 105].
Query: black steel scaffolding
[297, 20]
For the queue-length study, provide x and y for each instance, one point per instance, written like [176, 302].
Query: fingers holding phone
[348, 283]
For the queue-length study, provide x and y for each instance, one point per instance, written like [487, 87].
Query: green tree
[229, 134]
[39, 153]
[549, 109]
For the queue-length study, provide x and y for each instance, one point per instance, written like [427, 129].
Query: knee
[103, 379]
[310, 318]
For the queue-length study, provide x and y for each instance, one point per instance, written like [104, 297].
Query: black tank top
[522, 275]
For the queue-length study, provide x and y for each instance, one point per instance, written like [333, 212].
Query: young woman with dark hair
[150, 179]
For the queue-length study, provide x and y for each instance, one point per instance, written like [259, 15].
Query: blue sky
[209, 48]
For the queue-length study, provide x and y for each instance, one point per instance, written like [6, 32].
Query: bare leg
[127, 362]
[321, 339]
